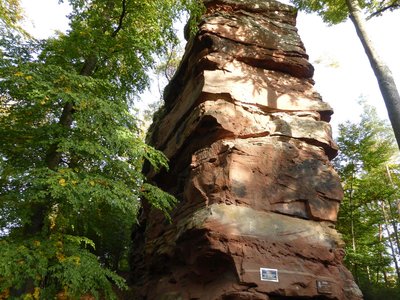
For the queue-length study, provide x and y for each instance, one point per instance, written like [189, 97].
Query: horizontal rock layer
[217, 252]
[267, 174]
[249, 143]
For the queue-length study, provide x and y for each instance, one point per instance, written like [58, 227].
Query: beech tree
[10, 13]
[369, 214]
[71, 152]
[336, 11]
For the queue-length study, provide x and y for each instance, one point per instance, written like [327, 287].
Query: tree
[334, 12]
[163, 72]
[369, 216]
[71, 152]
[10, 13]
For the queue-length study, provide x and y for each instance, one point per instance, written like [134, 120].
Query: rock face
[249, 143]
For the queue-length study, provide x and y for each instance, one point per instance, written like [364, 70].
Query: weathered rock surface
[249, 142]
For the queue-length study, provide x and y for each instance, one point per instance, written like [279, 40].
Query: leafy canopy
[71, 153]
[336, 11]
[368, 216]
[10, 13]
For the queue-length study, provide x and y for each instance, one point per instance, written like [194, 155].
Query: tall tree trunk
[394, 213]
[392, 247]
[382, 72]
[381, 256]
[353, 234]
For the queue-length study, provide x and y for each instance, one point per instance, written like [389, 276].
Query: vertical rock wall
[249, 143]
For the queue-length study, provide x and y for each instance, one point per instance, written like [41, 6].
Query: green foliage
[365, 145]
[10, 13]
[379, 293]
[383, 6]
[336, 11]
[158, 199]
[331, 11]
[368, 217]
[71, 153]
[54, 265]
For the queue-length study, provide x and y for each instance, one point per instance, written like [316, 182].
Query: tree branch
[392, 6]
[121, 19]
[53, 157]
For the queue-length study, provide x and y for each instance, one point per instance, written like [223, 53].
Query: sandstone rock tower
[249, 143]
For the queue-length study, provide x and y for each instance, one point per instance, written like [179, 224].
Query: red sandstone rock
[249, 142]
[267, 174]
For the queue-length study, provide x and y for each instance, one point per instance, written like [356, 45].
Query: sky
[342, 70]
[341, 85]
